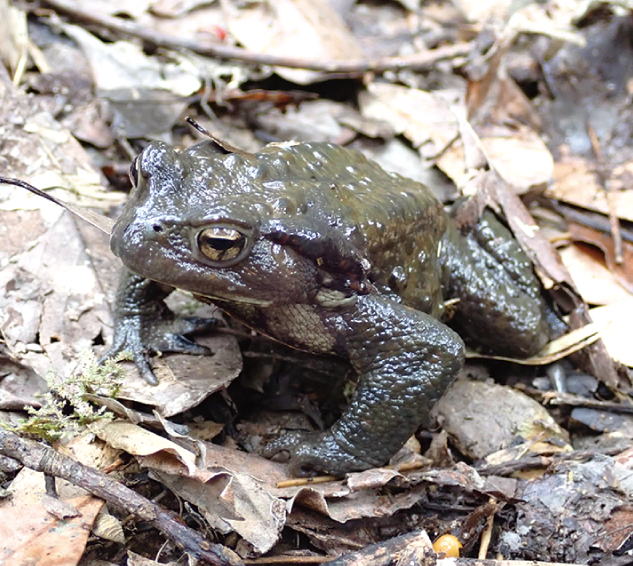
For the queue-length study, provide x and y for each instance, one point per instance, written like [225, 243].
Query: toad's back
[395, 222]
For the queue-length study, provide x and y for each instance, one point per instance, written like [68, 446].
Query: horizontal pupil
[221, 243]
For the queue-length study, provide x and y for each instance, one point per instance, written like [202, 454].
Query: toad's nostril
[157, 228]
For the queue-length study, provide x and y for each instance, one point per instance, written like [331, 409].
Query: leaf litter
[59, 276]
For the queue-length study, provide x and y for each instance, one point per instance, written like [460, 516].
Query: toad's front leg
[405, 360]
[144, 324]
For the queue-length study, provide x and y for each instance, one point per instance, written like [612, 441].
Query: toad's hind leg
[500, 304]
[405, 360]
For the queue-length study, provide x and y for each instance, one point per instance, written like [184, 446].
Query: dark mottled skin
[340, 258]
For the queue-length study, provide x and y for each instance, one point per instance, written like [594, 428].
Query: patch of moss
[64, 410]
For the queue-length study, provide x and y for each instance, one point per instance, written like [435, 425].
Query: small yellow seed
[448, 545]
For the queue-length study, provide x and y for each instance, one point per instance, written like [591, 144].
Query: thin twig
[44, 459]
[418, 62]
[603, 176]
[486, 535]
[100, 221]
[538, 461]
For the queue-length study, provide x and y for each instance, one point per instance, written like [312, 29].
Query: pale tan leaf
[108, 527]
[596, 283]
[617, 335]
[521, 157]
[423, 117]
[140, 442]
[304, 28]
[576, 182]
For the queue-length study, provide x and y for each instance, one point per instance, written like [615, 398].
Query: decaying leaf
[510, 418]
[232, 498]
[425, 118]
[185, 381]
[54, 305]
[39, 533]
[306, 28]
[552, 527]
[616, 335]
[575, 182]
[595, 282]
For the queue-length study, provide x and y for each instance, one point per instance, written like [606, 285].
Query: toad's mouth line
[234, 299]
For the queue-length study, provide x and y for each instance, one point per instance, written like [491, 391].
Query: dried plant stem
[418, 61]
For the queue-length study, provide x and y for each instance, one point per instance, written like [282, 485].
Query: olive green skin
[340, 258]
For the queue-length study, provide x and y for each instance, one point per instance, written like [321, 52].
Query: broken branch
[44, 459]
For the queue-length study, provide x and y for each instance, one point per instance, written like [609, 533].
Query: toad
[319, 248]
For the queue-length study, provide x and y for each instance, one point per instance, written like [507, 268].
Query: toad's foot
[166, 336]
[310, 451]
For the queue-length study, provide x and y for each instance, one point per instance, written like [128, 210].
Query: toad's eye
[222, 245]
[134, 171]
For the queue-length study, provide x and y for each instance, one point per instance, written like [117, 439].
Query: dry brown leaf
[506, 122]
[425, 118]
[54, 303]
[520, 156]
[234, 502]
[237, 491]
[576, 182]
[233, 490]
[616, 530]
[140, 442]
[623, 272]
[305, 28]
[184, 381]
[39, 537]
[595, 282]
[617, 333]
[470, 407]
[146, 94]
